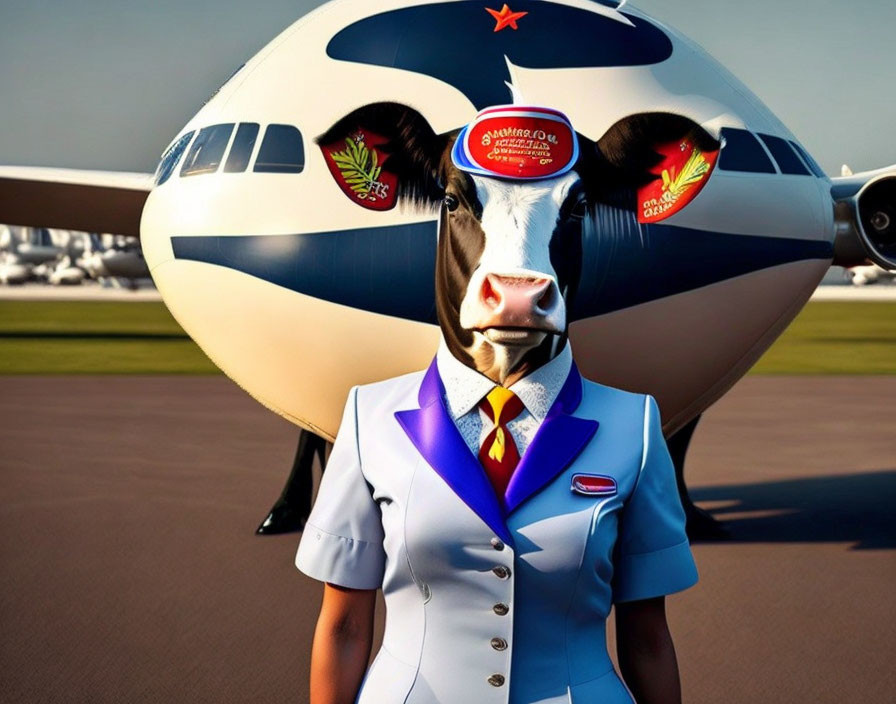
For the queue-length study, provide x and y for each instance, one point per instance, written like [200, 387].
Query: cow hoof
[702, 526]
[283, 518]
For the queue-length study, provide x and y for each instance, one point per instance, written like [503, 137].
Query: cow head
[509, 252]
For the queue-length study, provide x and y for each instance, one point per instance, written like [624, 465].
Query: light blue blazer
[491, 601]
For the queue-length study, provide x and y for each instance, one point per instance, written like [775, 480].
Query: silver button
[499, 644]
[424, 591]
[501, 572]
[497, 544]
[501, 609]
[496, 680]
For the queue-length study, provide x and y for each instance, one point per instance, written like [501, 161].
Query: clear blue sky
[106, 84]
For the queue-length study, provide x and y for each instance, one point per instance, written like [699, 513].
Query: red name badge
[682, 173]
[356, 164]
[593, 485]
[517, 142]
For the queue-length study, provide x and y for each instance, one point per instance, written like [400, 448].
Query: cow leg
[291, 510]
[700, 524]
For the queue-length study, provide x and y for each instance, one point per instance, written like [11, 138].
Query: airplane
[281, 276]
[29, 245]
[122, 260]
[67, 272]
[869, 274]
[26, 254]
[13, 274]
[68, 258]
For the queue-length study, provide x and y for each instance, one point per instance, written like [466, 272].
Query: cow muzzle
[514, 309]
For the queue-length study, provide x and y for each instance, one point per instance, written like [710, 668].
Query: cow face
[509, 257]
[509, 251]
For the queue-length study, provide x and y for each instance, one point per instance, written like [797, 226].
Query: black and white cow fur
[509, 252]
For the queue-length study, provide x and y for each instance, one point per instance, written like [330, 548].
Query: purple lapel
[434, 434]
[557, 443]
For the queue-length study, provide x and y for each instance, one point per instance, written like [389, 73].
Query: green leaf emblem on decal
[360, 169]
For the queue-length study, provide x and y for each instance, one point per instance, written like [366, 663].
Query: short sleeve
[343, 539]
[653, 555]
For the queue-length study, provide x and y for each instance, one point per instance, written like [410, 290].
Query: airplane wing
[70, 199]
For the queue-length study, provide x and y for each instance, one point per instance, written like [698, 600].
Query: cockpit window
[783, 153]
[207, 151]
[810, 162]
[282, 151]
[241, 149]
[172, 155]
[743, 152]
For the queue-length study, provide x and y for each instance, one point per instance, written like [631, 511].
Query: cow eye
[451, 202]
[579, 207]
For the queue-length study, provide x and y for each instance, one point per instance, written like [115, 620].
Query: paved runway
[130, 572]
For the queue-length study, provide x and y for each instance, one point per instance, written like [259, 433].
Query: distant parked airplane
[870, 274]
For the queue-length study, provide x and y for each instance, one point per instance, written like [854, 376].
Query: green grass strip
[138, 318]
[834, 337]
[95, 337]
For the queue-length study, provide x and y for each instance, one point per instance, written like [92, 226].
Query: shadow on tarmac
[847, 508]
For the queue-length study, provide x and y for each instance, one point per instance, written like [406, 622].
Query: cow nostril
[490, 296]
[547, 299]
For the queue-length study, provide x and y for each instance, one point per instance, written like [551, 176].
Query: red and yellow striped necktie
[498, 454]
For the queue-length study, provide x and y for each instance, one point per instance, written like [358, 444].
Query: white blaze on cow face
[513, 296]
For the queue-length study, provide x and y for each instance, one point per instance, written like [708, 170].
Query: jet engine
[865, 210]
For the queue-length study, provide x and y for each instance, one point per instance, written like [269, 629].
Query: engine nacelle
[865, 211]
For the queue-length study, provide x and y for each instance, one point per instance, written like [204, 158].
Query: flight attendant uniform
[488, 598]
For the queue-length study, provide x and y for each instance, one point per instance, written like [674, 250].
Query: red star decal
[505, 17]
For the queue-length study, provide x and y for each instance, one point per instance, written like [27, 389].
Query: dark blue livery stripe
[627, 265]
[390, 270]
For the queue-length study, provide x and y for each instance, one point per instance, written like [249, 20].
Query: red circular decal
[515, 142]
[682, 174]
[356, 164]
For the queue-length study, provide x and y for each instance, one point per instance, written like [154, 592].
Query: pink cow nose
[513, 301]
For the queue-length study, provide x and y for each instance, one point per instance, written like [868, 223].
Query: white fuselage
[281, 266]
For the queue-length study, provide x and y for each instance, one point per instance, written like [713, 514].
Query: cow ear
[383, 153]
[654, 163]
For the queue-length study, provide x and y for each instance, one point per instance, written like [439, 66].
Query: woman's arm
[341, 645]
[645, 651]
